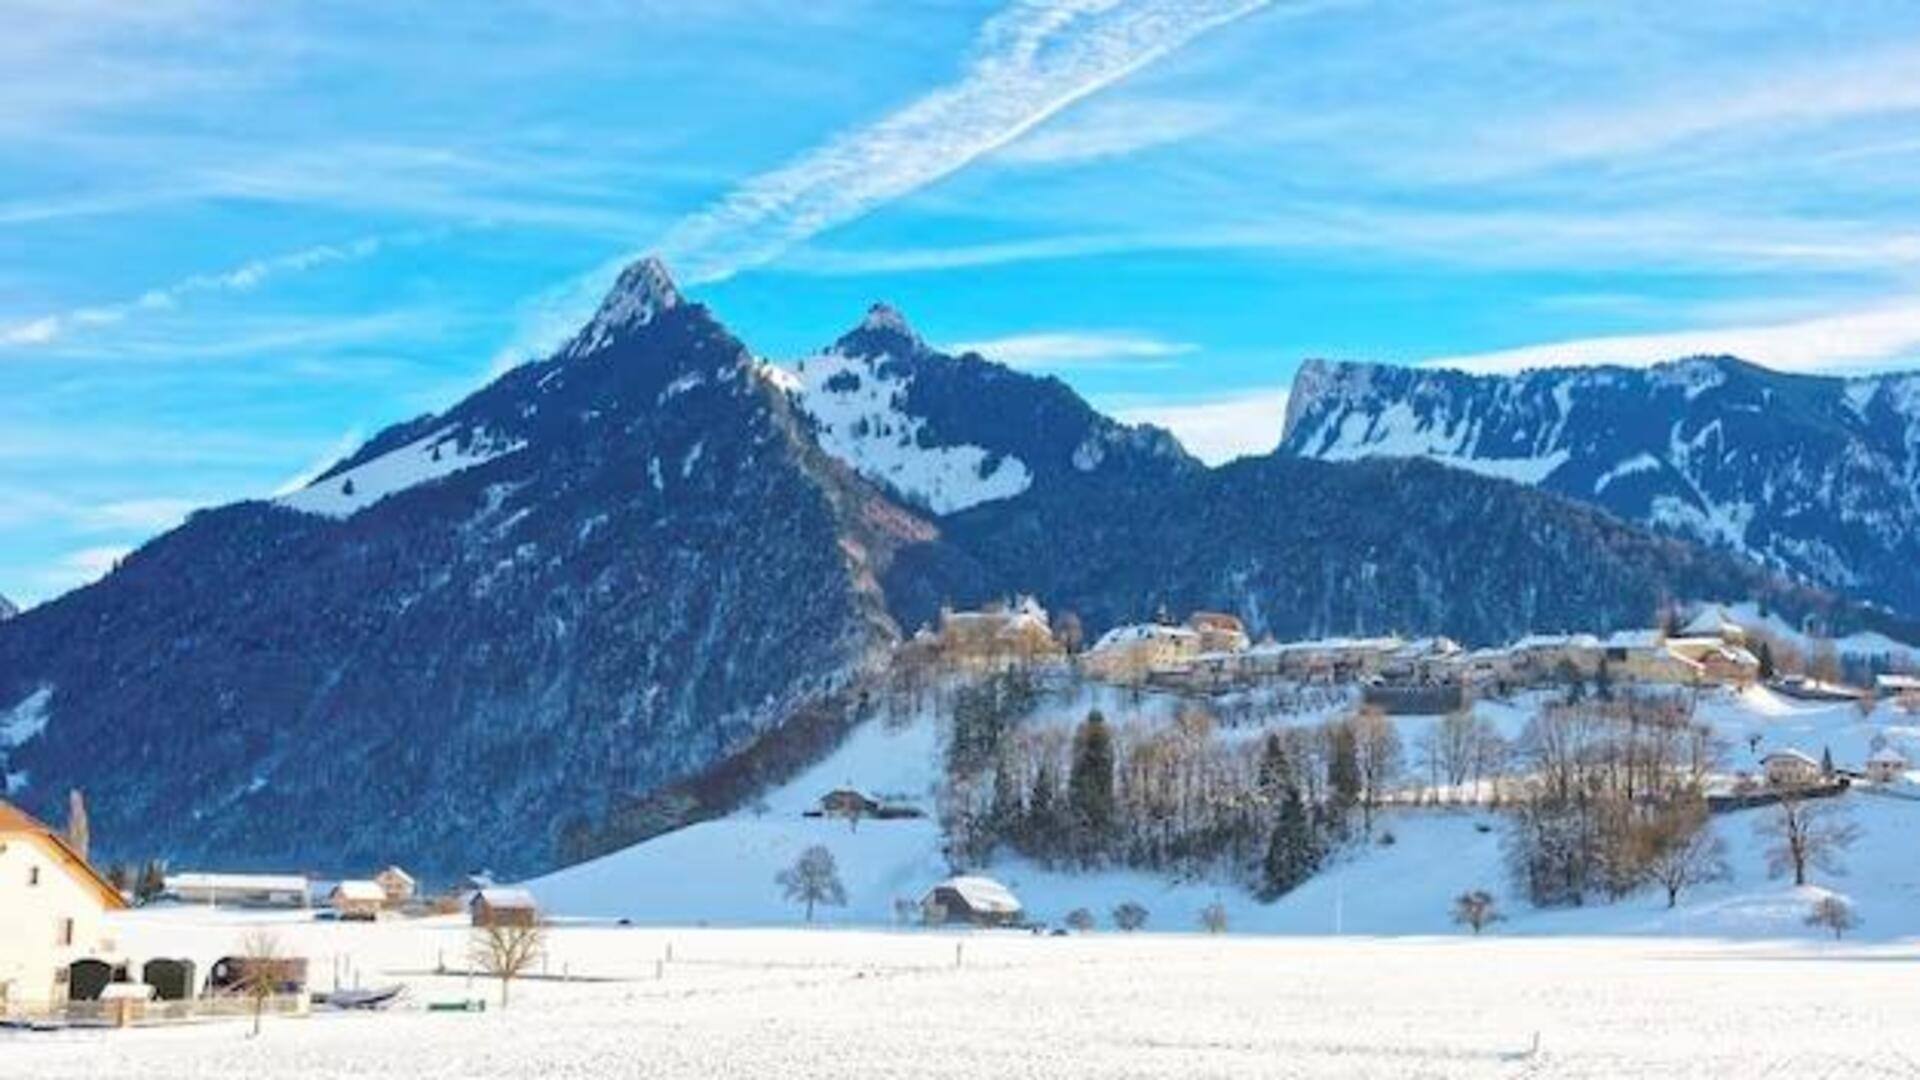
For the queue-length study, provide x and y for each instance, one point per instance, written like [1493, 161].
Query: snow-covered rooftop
[217, 882]
[982, 894]
[359, 890]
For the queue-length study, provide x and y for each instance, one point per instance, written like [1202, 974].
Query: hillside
[722, 872]
[478, 633]
[1817, 476]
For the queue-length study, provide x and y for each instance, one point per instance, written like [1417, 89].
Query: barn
[980, 901]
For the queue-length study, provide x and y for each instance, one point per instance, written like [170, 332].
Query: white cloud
[1072, 348]
[246, 277]
[1846, 341]
[1031, 61]
[1114, 129]
[1217, 430]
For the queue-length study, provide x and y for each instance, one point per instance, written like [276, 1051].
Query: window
[66, 932]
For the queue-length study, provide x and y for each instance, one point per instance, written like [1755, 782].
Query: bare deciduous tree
[506, 950]
[264, 968]
[1680, 850]
[1475, 910]
[1833, 914]
[1378, 756]
[813, 879]
[1080, 919]
[1213, 918]
[1129, 916]
[1806, 833]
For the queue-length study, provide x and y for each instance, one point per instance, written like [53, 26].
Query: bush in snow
[1080, 919]
[1833, 913]
[1129, 916]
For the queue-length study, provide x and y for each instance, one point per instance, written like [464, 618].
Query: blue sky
[236, 238]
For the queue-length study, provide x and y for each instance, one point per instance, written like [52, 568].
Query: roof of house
[17, 822]
[1889, 756]
[395, 872]
[359, 890]
[506, 896]
[1711, 621]
[982, 894]
[1136, 632]
[238, 882]
[1790, 754]
[1897, 682]
[1633, 639]
[1215, 620]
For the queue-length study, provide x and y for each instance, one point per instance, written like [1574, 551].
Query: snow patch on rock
[857, 405]
[419, 462]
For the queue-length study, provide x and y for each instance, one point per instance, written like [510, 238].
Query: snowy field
[807, 1003]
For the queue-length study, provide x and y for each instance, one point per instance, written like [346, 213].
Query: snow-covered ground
[799, 1003]
[721, 873]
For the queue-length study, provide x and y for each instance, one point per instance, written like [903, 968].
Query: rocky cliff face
[1819, 477]
[478, 633]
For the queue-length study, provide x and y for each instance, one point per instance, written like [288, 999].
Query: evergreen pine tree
[1764, 653]
[1276, 772]
[1343, 776]
[1090, 786]
[1293, 854]
[1042, 829]
[1004, 818]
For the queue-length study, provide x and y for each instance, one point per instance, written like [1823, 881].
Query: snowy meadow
[807, 1003]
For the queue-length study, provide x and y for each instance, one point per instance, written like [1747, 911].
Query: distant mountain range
[581, 605]
[1814, 476]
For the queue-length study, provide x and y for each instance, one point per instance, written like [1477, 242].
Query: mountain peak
[643, 291]
[883, 330]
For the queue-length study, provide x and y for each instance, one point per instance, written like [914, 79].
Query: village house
[1219, 632]
[1720, 663]
[1887, 766]
[357, 899]
[1901, 689]
[500, 905]
[1788, 767]
[1129, 654]
[397, 885]
[1548, 658]
[1642, 656]
[997, 637]
[1714, 622]
[239, 890]
[53, 908]
[980, 901]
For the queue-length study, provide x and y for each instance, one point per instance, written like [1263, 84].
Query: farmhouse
[981, 901]
[358, 899]
[239, 890]
[53, 907]
[1714, 622]
[1904, 689]
[1887, 766]
[500, 905]
[397, 884]
[1790, 768]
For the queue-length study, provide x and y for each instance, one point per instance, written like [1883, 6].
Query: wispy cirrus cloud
[250, 275]
[1858, 340]
[1074, 348]
[1031, 61]
[1100, 130]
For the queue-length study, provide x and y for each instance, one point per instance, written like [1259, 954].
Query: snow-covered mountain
[480, 636]
[951, 432]
[1813, 475]
[633, 584]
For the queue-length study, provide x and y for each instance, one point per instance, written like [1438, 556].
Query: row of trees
[1169, 796]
